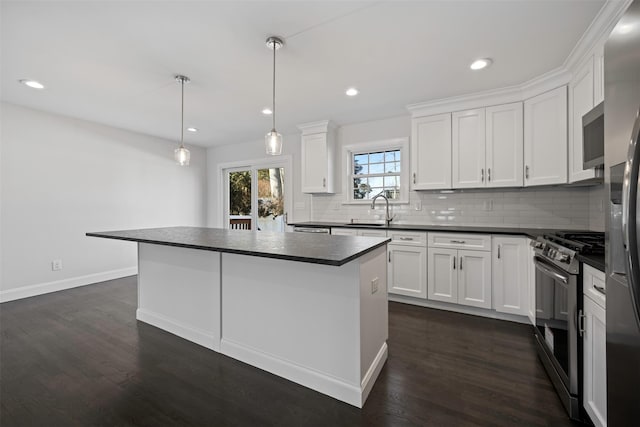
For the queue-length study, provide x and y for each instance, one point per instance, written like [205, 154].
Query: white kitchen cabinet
[442, 275]
[595, 350]
[487, 147]
[504, 145]
[510, 269]
[531, 283]
[581, 101]
[545, 138]
[598, 73]
[407, 270]
[318, 157]
[468, 145]
[407, 257]
[431, 152]
[459, 269]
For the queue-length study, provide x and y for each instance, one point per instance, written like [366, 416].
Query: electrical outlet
[56, 265]
[487, 205]
[374, 285]
[337, 206]
[417, 205]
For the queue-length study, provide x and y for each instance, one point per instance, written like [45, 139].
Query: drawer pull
[599, 289]
[406, 238]
[462, 242]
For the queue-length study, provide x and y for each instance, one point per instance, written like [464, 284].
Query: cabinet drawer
[478, 242]
[411, 238]
[592, 279]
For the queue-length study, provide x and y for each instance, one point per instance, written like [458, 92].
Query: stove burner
[583, 242]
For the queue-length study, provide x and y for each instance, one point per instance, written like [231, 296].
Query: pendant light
[181, 154]
[273, 140]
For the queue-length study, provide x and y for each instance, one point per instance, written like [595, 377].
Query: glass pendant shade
[182, 156]
[273, 143]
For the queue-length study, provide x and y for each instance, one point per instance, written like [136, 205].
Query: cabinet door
[431, 152]
[595, 365]
[468, 144]
[504, 145]
[580, 102]
[474, 278]
[442, 281]
[598, 74]
[510, 275]
[315, 161]
[545, 138]
[531, 267]
[407, 270]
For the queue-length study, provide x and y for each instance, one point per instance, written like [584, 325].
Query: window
[375, 168]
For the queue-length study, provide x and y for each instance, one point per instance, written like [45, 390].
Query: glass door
[255, 198]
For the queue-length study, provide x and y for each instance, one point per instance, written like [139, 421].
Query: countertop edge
[335, 263]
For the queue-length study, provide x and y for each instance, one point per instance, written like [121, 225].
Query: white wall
[63, 177]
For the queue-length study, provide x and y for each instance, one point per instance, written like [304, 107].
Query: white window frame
[401, 144]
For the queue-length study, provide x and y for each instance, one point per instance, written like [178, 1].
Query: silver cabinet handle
[526, 172]
[499, 251]
[406, 238]
[462, 242]
[581, 317]
[389, 256]
[324, 182]
[489, 174]
[461, 262]
[599, 289]
[454, 263]
[414, 177]
[482, 174]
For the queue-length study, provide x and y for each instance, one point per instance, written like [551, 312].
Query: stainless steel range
[559, 318]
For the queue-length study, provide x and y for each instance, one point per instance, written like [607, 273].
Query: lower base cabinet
[594, 351]
[407, 270]
[510, 269]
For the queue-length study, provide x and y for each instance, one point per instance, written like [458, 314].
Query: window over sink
[374, 168]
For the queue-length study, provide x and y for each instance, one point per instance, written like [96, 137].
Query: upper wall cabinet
[488, 147]
[581, 100]
[545, 138]
[318, 157]
[431, 152]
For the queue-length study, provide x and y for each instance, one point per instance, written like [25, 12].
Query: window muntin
[373, 172]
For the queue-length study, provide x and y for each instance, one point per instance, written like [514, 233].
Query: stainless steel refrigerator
[622, 162]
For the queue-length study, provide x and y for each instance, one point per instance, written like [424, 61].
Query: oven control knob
[563, 258]
[552, 253]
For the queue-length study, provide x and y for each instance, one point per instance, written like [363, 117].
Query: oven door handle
[549, 271]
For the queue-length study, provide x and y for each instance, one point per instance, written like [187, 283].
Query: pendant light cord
[182, 116]
[274, 85]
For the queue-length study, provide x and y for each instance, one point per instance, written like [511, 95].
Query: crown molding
[322, 126]
[598, 30]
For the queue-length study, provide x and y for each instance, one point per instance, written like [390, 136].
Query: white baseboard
[60, 285]
[372, 373]
[189, 333]
[315, 380]
[475, 311]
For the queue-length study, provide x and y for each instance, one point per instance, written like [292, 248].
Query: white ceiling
[113, 62]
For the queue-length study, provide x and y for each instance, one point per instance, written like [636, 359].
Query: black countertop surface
[312, 248]
[595, 261]
[529, 232]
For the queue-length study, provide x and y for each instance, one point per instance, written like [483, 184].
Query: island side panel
[374, 317]
[179, 292]
[298, 320]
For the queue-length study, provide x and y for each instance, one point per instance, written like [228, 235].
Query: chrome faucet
[388, 218]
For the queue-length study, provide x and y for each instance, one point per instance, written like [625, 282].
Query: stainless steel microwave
[593, 137]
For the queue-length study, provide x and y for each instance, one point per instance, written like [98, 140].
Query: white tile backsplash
[571, 208]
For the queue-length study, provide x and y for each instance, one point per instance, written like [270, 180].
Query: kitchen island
[309, 308]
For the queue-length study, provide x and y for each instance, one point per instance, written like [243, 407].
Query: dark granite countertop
[595, 261]
[529, 232]
[312, 248]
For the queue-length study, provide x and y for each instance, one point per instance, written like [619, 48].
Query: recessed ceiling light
[352, 91]
[267, 111]
[479, 64]
[32, 84]
[192, 129]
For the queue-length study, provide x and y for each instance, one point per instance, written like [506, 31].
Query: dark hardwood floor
[79, 358]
